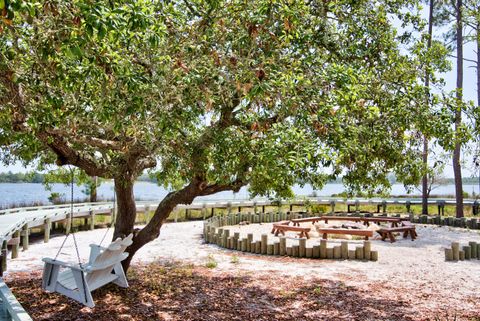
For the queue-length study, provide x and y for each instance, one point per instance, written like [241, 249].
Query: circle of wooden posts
[215, 233]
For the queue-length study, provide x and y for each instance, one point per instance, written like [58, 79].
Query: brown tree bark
[425, 192]
[126, 207]
[457, 170]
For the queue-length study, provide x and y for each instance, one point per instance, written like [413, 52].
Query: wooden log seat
[344, 231]
[281, 228]
[297, 221]
[388, 232]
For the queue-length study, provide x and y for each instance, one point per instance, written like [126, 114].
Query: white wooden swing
[77, 280]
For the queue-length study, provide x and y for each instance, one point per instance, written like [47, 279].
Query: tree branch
[85, 140]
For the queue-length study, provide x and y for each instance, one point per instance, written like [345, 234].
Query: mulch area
[183, 292]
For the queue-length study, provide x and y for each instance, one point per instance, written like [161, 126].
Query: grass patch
[211, 262]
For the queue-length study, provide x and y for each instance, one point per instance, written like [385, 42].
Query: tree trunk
[126, 209]
[425, 192]
[457, 170]
[93, 189]
[478, 86]
[152, 230]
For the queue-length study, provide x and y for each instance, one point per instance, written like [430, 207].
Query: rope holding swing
[70, 221]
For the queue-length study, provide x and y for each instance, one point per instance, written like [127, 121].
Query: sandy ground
[410, 270]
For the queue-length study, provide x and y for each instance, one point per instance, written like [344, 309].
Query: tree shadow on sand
[183, 292]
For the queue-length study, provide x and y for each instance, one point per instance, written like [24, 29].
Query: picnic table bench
[297, 221]
[394, 221]
[282, 228]
[344, 231]
[407, 229]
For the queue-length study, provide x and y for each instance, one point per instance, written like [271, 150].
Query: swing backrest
[100, 270]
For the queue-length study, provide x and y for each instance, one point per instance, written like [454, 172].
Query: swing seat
[78, 281]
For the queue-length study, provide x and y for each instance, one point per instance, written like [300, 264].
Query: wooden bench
[344, 231]
[394, 221]
[281, 228]
[407, 230]
[297, 221]
[341, 218]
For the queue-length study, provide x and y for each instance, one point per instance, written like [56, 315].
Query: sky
[470, 93]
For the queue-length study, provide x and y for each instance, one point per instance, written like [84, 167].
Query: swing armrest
[95, 250]
[72, 266]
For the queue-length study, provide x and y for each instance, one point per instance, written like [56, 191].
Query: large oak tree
[211, 95]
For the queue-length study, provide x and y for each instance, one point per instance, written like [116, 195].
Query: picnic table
[406, 229]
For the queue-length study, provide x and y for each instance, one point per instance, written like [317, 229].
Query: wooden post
[461, 255]
[4, 257]
[367, 249]
[289, 251]
[456, 251]
[351, 254]
[316, 251]
[254, 207]
[295, 250]
[330, 253]
[448, 255]
[92, 221]
[359, 252]
[468, 252]
[46, 230]
[244, 244]
[253, 244]
[302, 245]
[344, 246]
[146, 214]
[270, 249]
[229, 208]
[250, 239]
[68, 224]
[323, 249]
[16, 246]
[264, 243]
[308, 252]
[276, 248]
[226, 235]
[332, 207]
[283, 245]
[384, 207]
[473, 246]
[258, 247]
[236, 236]
[337, 252]
[357, 206]
[374, 256]
[25, 237]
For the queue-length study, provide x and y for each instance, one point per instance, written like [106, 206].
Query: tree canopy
[212, 95]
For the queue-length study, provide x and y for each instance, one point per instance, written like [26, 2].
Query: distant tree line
[36, 177]
[32, 177]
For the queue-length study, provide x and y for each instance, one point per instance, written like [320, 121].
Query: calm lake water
[27, 193]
